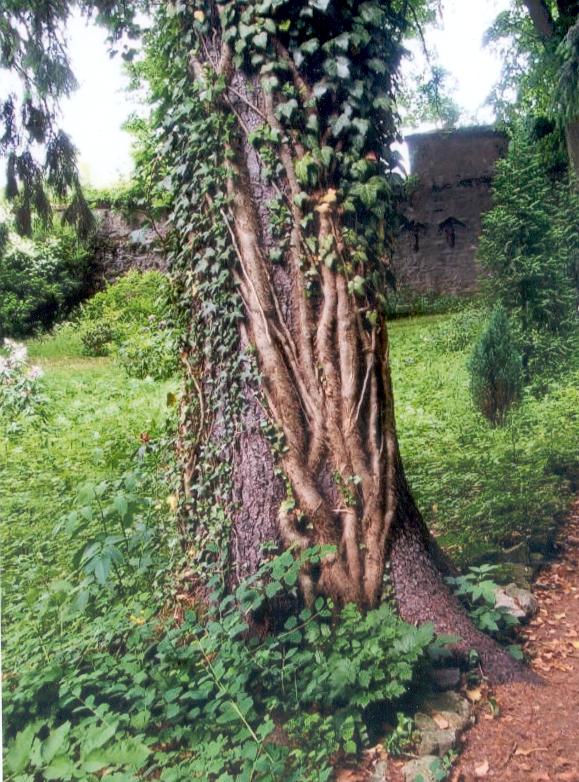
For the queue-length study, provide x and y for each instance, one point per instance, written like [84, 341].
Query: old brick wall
[436, 250]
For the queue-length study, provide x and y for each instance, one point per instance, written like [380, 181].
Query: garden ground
[481, 489]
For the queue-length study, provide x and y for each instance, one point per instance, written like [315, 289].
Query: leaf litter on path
[535, 738]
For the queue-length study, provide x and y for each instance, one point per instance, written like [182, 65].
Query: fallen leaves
[482, 769]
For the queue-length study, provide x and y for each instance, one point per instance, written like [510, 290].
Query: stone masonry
[436, 249]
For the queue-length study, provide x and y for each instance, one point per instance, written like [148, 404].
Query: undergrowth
[112, 669]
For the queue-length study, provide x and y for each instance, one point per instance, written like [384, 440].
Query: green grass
[479, 487]
[96, 417]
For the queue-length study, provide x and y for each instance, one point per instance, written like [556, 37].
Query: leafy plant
[478, 591]
[21, 393]
[41, 279]
[495, 369]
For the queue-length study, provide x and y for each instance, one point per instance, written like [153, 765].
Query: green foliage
[41, 280]
[99, 676]
[478, 591]
[150, 351]
[403, 737]
[21, 397]
[495, 369]
[130, 319]
[530, 245]
[480, 487]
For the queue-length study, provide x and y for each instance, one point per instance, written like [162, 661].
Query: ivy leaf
[286, 110]
[343, 67]
[342, 123]
[357, 285]
[260, 40]
[310, 46]
[369, 192]
[320, 5]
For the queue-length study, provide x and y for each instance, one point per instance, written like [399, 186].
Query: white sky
[456, 44]
[95, 113]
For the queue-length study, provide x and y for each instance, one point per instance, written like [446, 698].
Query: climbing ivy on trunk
[277, 119]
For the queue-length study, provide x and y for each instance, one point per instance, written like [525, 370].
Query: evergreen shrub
[496, 369]
[530, 245]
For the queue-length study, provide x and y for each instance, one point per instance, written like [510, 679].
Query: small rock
[518, 554]
[454, 709]
[424, 722]
[437, 742]
[445, 678]
[421, 766]
[518, 602]
[380, 773]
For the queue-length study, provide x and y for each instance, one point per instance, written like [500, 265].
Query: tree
[551, 32]
[530, 245]
[542, 63]
[276, 119]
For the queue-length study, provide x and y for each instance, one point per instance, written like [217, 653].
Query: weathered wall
[125, 244]
[436, 250]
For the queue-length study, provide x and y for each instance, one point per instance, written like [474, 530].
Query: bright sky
[94, 115]
[457, 45]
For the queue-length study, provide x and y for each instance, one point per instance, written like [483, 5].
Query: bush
[495, 369]
[150, 352]
[130, 320]
[530, 244]
[41, 280]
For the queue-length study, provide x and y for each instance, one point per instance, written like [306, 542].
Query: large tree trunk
[328, 472]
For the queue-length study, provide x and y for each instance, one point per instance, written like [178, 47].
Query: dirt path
[535, 738]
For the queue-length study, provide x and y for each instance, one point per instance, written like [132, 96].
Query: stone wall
[436, 250]
[126, 243]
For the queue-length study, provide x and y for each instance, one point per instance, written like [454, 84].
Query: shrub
[150, 352]
[124, 306]
[41, 280]
[495, 369]
[530, 245]
[130, 319]
[21, 394]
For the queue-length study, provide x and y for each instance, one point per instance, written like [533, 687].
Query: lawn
[96, 416]
[480, 487]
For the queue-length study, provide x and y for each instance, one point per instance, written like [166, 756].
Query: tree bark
[335, 478]
[542, 19]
